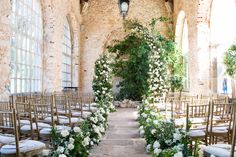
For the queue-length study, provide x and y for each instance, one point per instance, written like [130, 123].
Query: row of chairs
[207, 118]
[33, 116]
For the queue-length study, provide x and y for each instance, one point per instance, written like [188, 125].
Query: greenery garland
[102, 82]
[76, 141]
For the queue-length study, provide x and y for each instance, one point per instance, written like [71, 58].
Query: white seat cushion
[40, 126]
[219, 150]
[24, 122]
[73, 120]
[78, 114]
[7, 138]
[47, 131]
[25, 146]
[48, 119]
[197, 133]
[219, 130]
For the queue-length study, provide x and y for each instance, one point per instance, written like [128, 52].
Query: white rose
[177, 136]
[102, 129]
[142, 132]
[157, 151]
[140, 128]
[144, 115]
[62, 155]
[96, 130]
[60, 149]
[155, 122]
[86, 141]
[71, 140]
[91, 143]
[153, 131]
[179, 154]
[168, 142]
[156, 144]
[71, 146]
[64, 133]
[77, 129]
[148, 148]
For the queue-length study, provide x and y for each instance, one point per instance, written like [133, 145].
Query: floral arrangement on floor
[77, 141]
[163, 138]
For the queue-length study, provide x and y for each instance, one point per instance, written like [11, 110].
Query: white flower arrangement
[161, 134]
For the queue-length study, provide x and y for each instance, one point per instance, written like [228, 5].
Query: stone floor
[122, 138]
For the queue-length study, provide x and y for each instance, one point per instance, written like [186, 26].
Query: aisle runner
[122, 138]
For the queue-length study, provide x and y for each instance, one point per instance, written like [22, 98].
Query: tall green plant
[230, 61]
[131, 64]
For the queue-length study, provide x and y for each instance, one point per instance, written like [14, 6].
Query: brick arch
[116, 34]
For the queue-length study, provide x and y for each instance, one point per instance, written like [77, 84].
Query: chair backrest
[9, 124]
[44, 110]
[221, 115]
[6, 106]
[198, 115]
[234, 131]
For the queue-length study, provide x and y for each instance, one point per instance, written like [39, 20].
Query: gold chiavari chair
[26, 148]
[220, 122]
[62, 108]
[223, 150]
[197, 121]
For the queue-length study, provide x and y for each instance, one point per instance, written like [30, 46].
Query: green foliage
[131, 64]
[230, 61]
[102, 82]
[175, 65]
[142, 60]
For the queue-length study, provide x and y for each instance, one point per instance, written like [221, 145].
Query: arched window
[185, 49]
[67, 57]
[182, 41]
[26, 46]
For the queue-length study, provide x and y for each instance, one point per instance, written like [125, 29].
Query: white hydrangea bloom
[178, 154]
[157, 151]
[64, 133]
[71, 146]
[156, 144]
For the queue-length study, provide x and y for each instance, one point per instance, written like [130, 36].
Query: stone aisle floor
[122, 138]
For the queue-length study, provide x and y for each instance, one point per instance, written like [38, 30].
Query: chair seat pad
[218, 150]
[40, 126]
[49, 120]
[197, 133]
[25, 146]
[219, 130]
[73, 120]
[24, 122]
[180, 121]
[78, 114]
[92, 108]
[47, 131]
[6, 138]
[197, 120]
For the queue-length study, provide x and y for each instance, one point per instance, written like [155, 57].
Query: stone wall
[101, 19]
[196, 13]
[54, 13]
